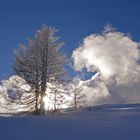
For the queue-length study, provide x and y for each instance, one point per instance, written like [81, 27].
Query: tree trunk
[75, 102]
[44, 66]
[44, 71]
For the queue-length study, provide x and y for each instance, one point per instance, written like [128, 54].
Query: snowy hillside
[114, 107]
[102, 124]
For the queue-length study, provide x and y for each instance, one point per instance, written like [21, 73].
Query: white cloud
[115, 56]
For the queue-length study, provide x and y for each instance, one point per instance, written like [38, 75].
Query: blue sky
[75, 19]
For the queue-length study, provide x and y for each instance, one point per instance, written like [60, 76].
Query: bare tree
[40, 62]
[58, 96]
[78, 99]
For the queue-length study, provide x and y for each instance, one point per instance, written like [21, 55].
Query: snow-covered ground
[107, 122]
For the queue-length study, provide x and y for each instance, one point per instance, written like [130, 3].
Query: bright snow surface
[101, 123]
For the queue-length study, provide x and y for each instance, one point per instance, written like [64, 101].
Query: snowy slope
[114, 107]
[102, 124]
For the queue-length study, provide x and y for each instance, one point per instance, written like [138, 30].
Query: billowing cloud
[115, 56]
[95, 90]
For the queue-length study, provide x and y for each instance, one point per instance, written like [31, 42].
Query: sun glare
[49, 103]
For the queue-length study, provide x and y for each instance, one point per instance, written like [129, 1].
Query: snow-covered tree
[58, 96]
[15, 94]
[78, 99]
[40, 62]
